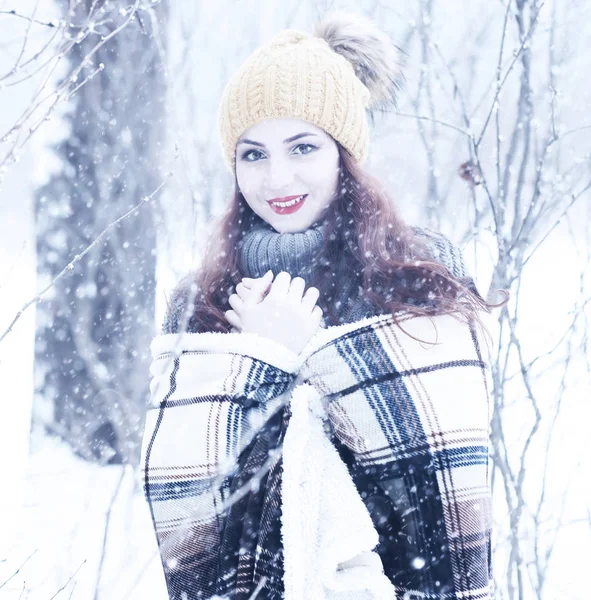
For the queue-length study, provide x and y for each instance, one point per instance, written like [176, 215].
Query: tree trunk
[94, 329]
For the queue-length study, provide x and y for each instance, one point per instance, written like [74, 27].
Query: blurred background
[111, 172]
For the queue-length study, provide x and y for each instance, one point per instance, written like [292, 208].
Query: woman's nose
[279, 175]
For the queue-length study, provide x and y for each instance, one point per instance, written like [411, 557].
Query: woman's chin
[289, 227]
[289, 224]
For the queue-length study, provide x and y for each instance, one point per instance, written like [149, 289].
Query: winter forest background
[111, 171]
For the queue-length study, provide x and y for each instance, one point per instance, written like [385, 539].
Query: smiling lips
[287, 205]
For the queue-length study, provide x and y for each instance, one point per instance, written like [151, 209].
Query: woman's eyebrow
[287, 141]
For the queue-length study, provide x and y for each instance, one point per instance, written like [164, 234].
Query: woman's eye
[255, 155]
[307, 148]
[249, 155]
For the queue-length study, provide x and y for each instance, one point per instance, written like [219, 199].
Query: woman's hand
[277, 309]
[249, 289]
[255, 289]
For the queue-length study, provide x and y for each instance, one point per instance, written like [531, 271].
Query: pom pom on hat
[376, 60]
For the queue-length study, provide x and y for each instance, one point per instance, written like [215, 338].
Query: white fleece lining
[245, 344]
[327, 532]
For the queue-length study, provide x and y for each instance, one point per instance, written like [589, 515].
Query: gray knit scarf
[262, 248]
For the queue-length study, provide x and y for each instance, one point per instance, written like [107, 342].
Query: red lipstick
[294, 203]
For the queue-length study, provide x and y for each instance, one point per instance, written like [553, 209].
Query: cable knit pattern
[296, 76]
[263, 248]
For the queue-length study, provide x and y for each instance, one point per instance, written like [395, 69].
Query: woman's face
[281, 160]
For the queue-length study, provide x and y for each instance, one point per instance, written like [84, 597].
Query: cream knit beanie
[333, 79]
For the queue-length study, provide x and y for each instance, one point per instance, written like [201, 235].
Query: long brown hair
[365, 236]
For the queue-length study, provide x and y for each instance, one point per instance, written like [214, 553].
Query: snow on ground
[73, 514]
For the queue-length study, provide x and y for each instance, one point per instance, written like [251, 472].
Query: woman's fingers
[254, 290]
[296, 287]
[310, 297]
[242, 291]
[317, 313]
[281, 284]
[263, 284]
[234, 320]
[236, 302]
[253, 295]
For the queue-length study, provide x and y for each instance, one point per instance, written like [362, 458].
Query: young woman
[312, 281]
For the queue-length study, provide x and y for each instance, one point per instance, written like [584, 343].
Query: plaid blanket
[408, 415]
[411, 420]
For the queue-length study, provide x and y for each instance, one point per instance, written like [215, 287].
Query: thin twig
[70, 579]
[18, 570]
[30, 19]
[70, 267]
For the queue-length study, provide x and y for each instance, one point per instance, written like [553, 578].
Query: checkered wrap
[410, 421]
[216, 419]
